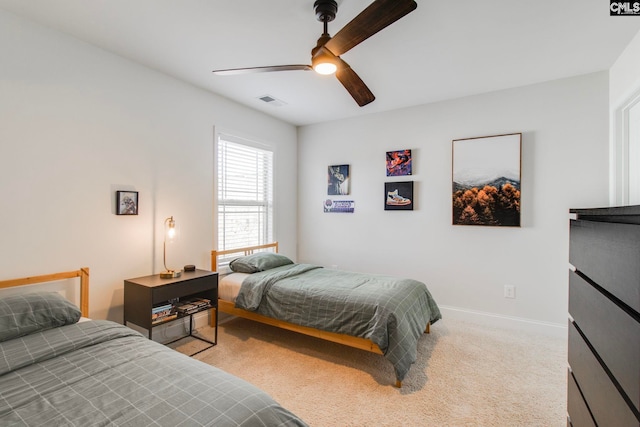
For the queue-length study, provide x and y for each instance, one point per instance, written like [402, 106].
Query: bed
[59, 368]
[380, 314]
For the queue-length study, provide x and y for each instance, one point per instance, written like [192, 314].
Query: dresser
[604, 317]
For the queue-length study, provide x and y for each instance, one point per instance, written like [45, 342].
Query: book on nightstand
[193, 305]
[162, 313]
[164, 318]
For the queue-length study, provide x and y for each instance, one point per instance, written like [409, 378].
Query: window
[625, 165]
[245, 193]
[634, 154]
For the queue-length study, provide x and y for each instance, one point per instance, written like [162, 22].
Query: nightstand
[144, 295]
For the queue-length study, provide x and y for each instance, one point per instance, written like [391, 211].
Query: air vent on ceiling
[274, 102]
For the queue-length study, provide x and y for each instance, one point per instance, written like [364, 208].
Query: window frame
[268, 233]
[621, 190]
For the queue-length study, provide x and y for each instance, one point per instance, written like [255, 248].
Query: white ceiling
[440, 51]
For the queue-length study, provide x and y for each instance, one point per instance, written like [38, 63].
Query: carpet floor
[465, 375]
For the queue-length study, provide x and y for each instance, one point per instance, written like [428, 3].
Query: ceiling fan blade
[251, 70]
[354, 84]
[377, 16]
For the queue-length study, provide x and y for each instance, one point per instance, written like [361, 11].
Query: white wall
[564, 165]
[78, 123]
[624, 75]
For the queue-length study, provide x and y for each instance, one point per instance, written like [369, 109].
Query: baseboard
[505, 322]
[473, 316]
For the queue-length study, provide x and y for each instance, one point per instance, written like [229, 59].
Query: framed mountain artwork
[486, 180]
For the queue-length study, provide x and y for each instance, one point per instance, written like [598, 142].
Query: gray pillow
[24, 314]
[260, 261]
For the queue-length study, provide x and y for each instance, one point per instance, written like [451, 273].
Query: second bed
[381, 314]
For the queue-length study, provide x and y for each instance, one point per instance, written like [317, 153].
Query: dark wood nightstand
[143, 294]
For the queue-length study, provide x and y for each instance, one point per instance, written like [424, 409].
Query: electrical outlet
[509, 291]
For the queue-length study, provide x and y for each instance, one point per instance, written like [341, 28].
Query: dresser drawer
[609, 254]
[576, 406]
[606, 404]
[613, 333]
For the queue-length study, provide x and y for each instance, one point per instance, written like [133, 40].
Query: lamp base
[170, 274]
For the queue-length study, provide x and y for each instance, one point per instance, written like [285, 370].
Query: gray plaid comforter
[391, 312]
[101, 373]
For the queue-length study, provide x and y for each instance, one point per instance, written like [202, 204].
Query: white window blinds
[245, 194]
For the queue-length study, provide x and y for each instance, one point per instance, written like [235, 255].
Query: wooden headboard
[240, 252]
[83, 274]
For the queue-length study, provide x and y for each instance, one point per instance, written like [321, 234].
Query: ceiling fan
[325, 57]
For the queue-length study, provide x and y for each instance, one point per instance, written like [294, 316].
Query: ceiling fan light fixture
[324, 63]
[325, 68]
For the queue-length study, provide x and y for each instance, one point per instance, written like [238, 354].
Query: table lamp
[169, 234]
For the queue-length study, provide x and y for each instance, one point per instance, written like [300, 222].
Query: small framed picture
[398, 196]
[338, 180]
[399, 163]
[126, 202]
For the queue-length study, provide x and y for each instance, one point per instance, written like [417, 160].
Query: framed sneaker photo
[398, 196]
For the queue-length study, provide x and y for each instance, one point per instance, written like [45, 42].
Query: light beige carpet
[466, 375]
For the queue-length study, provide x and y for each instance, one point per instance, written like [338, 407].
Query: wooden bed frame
[229, 308]
[82, 273]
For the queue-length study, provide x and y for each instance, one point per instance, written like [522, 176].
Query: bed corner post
[84, 291]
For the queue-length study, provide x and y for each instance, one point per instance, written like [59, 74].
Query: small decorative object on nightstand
[150, 301]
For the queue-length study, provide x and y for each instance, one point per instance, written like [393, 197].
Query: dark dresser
[604, 317]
